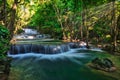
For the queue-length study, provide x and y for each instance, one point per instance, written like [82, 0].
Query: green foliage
[45, 20]
[0, 2]
[20, 31]
[4, 40]
[51, 14]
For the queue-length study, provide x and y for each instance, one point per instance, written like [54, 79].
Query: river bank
[5, 65]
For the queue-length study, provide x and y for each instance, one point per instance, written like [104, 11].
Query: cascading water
[34, 48]
[52, 62]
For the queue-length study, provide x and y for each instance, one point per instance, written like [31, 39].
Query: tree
[11, 24]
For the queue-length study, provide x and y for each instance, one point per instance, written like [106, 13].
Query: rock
[98, 62]
[112, 69]
[108, 63]
[104, 64]
[1, 72]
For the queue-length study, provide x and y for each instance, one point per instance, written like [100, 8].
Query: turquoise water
[65, 66]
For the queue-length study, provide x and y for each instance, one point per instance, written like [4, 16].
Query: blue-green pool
[66, 66]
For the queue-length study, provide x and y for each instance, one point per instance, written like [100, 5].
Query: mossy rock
[104, 64]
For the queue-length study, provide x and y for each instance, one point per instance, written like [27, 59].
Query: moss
[116, 61]
[39, 41]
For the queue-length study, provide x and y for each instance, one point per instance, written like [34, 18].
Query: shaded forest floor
[5, 65]
[107, 47]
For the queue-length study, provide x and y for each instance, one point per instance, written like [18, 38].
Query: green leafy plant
[4, 41]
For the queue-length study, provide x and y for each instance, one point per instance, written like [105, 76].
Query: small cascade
[35, 48]
[27, 48]
[77, 44]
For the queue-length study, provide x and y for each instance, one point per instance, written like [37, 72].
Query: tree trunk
[4, 20]
[81, 27]
[114, 29]
[11, 24]
[85, 20]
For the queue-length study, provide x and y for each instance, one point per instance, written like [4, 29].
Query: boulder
[104, 64]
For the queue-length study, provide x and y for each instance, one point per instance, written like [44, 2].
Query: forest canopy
[69, 20]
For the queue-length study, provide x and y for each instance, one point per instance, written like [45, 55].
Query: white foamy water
[96, 49]
[73, 55]
[69, 54]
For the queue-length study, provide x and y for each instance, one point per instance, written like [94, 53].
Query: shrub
[4, 41]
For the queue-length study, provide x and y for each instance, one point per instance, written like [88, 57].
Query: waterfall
[43, 48]
[38, 48]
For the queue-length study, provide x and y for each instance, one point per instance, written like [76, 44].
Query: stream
[69, 65]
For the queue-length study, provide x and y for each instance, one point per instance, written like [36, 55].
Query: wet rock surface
[104, 64]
